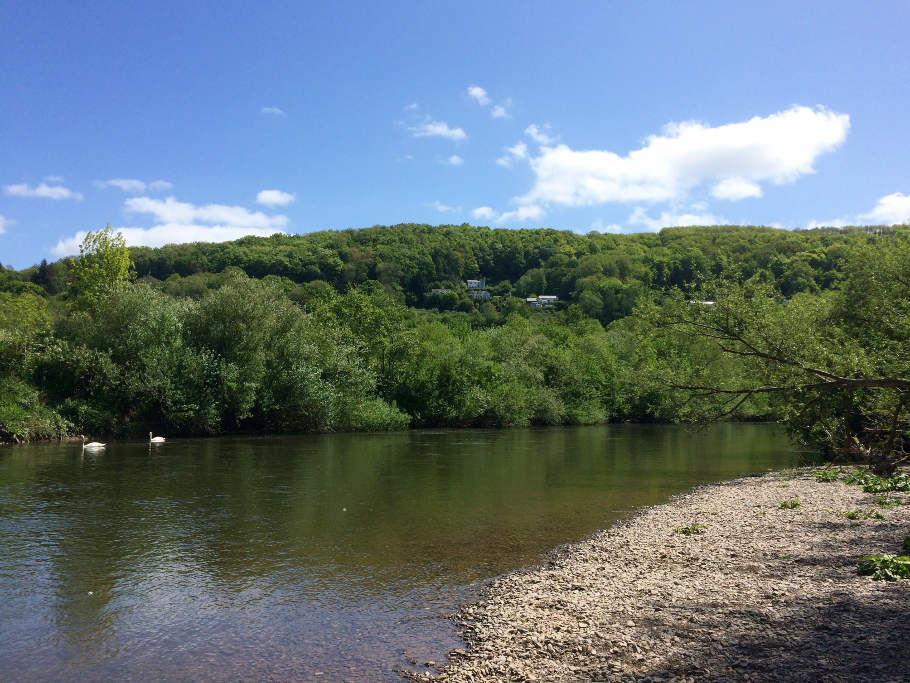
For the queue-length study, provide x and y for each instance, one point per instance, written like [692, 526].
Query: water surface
[326, 556]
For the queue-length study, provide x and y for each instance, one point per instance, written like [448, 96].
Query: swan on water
[91, 445]
[155, 439]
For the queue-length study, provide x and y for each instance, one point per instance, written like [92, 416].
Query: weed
[885, 567]
[886, 501]
[860, 514]
[862, 477]
[790, 504]
[827, 475]
[899, 482]
[693, 528]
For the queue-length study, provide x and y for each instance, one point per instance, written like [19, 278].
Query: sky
[207, 121]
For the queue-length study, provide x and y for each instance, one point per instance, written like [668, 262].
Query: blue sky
[207, 121]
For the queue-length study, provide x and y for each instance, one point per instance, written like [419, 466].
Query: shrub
[691, 529]
[790, 504]
[899, 482]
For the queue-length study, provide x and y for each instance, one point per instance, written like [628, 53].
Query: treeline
[338, 331]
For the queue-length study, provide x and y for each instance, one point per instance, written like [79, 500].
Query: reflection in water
[289, 556]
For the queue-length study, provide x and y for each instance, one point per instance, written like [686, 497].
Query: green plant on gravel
[861, 477]
[828, 475]
[691, 529]
[790, 504]
[885, 567]
[863, 514]
[907, 543]
[887, 501]
[899, 482]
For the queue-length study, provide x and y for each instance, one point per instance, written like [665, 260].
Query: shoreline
[760, 593]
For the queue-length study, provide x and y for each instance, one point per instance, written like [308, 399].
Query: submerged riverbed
[322, 555]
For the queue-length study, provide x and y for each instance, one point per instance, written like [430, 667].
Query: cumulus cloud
[133, 186]
[272, 111]
[528, 212]
[56, 179]
[671, 219]
[890, 209]
[42, 191]
[170, 211]
[735, 158]
[736, 188]
[454, 160]
[540, 135]
[3, 223]
[444, 208]
[274, 198]
[430, 128]
[178, 222]
[600, 226]
[479, 95]
[485, 213]
[167, 233]
[499, 111]
[516, 152]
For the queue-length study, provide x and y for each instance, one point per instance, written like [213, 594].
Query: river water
[308, 557]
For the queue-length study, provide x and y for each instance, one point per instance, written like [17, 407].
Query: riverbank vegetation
[343, 331]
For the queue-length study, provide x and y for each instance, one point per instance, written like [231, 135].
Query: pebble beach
[722, 583]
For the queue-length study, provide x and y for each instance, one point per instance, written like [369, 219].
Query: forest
[342, 330]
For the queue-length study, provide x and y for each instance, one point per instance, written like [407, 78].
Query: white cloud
[167, 233]
[484, 213]
[133, 186]
[170, 211]
[891, 209]
[56, 179]
[778, 148]
[430, 128]
[274, 198]
[540, 136]
[514, 153]
[454, 160]
[833, 223]
[479, 95]
[3, 223]
[600, 226]
[736, 188]
[522, 213]
[671, 219]
[272, 111]
[42, 191]
[444, 208]
[411, 107]
[500, 112]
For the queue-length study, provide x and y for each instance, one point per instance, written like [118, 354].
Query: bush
[23, 416]
[691, 529]
[790, 504]
[827, 475]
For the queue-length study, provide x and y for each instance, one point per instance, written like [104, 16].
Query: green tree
[104, 262]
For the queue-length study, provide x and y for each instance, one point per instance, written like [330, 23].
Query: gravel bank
[762, 593]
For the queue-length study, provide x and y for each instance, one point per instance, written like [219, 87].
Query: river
[309, 557]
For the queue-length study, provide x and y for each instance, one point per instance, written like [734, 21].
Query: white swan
[155, 439]
[92, 445]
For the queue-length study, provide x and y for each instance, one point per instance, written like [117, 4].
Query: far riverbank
[761, 593]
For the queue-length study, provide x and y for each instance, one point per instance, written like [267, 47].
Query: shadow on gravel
[848, 640]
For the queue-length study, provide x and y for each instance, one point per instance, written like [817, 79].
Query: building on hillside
[440, 291]
[532, 302]
[547, 300]
[479, 294]
[476, 284]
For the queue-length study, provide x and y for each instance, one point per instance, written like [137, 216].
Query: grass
[691, 529]
[863, 514]
[790, 504]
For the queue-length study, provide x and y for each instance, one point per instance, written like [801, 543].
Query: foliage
[907, 543]
[887, 502]
[690, 529]
[790, 504]
[104, 262]
[863, 514]
[899, 482]
[885, 567]
[828, 475]
[340, 330]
